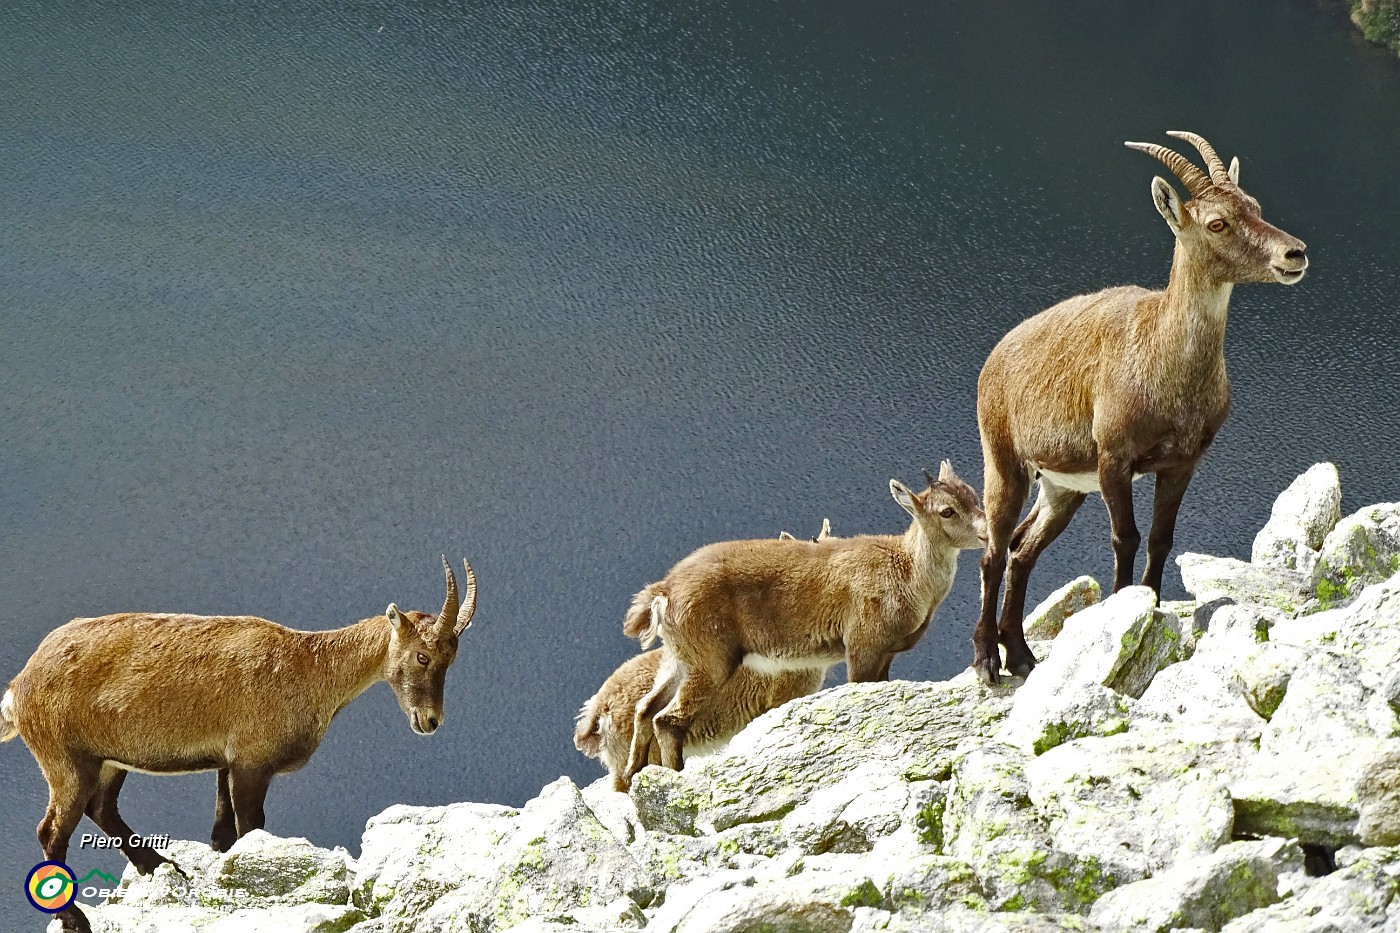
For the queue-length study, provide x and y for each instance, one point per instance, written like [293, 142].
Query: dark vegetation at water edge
[1379, 21]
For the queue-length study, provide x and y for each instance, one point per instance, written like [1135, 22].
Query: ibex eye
[947, 513]
[422, 659]
[1217, 225]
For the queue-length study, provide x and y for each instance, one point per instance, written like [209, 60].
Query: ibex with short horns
[608, 726]
[174, 694]
[1102, 389]
[776, 606]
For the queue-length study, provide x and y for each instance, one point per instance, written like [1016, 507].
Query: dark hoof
[221, 843]
[1021, 668]
[987, 672]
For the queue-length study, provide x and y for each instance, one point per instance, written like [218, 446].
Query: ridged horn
[464, 616]
[1193, 178]
[1218, 173]
[449, 605]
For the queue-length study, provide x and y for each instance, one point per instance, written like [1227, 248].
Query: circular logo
[50, 886]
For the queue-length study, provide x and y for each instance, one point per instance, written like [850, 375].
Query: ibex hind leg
[1052, 513]
[225, 832]
[71, 785]
[640, 753]
[673, 722]
[1006, 486]
[102, 810]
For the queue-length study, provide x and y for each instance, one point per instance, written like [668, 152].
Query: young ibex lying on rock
[775, 606]
[1104, 388]
[606, 724]
[173, 694]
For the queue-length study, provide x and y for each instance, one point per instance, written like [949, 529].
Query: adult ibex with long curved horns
[1102, 389]
[174, 694]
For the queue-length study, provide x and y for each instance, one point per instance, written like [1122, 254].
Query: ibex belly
[773, 665]
[1077, 482]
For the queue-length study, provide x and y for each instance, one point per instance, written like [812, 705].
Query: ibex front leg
[1171, 487]
[1116, 483]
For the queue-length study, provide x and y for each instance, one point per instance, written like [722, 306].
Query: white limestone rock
[1302, 516]
[1204, 893]
[1139, 802]
[1048, 618]
[787, 754]
[1118, 644]
[1211, 578]
[1188, 692]
[991, 823]
[1363, 549]
[1364, 895]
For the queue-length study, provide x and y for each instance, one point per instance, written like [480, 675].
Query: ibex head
[948, 510]
[421, 649]
[1220, 226]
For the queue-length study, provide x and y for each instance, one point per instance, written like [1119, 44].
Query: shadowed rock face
[1107, 792]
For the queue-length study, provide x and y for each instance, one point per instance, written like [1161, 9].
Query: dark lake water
[295, 297]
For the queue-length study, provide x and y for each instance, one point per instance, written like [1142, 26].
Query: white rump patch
[7, 707]
[1076, 482]
[770, 666]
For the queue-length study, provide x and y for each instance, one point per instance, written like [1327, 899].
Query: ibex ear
[945, 471]
[786, 536]
[1168, 204]
[904, 497]
[1235, 170]
[396, 619]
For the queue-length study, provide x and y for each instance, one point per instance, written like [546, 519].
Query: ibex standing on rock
[777, 606]
[174, 694]
[1102, 389]
[608, 726]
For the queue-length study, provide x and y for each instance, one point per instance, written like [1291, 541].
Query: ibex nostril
[1296, 255]
[432, 723]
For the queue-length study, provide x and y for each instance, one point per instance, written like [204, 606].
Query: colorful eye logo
[50, 887]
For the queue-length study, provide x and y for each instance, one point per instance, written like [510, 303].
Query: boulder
[1188, 692]
[1078, 712]
[1302, 516]
[1048, 618]
[1360, 896]
[786, 755]
[1363, 549]
[1140, 802]
[1369, 630]
[1119, 644]
[1212, 578]
[1261, 677]
[1203, 893]
[991, 823]
[1303, 784]
[1378, 798]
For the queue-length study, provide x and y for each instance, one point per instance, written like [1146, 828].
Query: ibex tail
[8, 727]
[644, 616]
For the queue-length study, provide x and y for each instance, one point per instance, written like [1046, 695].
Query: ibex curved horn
[464, 616]
[448, 615]
[1218, 173]
[1193, 178]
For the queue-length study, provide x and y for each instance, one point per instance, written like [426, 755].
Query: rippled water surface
[295, 297]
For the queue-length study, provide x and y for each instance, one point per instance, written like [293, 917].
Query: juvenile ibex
[776, 606]
[1103, 388]
[607, 725]
[174, 694]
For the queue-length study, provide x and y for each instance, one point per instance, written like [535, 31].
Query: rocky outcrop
[1379, 21]
[1163, 768]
